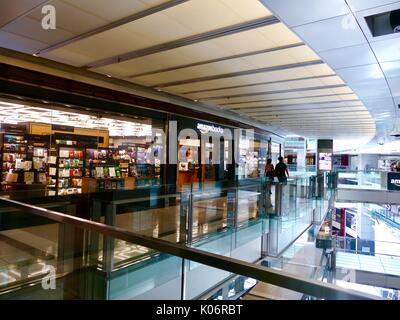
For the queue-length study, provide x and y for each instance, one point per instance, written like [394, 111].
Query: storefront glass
[205, 152]
[253, 154]
[48, 151]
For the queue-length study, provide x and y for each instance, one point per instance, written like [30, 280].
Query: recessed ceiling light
[35, 55]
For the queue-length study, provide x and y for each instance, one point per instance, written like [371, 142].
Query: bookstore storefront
[205, 152]
[49, 151]
[55, 150]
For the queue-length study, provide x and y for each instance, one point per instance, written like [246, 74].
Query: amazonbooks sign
[393, 181]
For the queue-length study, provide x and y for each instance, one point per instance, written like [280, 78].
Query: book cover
[29, 177]
[99, 172]
[112, 172]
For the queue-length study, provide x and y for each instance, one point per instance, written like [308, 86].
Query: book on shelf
[52, 171]
[99, 172]
[12, 177]
[19, 164]
[42, 178]
[52, 160]
[27, 165]
[112, 172]
[29, 177]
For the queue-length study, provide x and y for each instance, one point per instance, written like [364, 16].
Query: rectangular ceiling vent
[385, 23]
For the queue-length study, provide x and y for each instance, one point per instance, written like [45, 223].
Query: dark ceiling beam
[352, 126]
[307, 107]
[115, 24]
[201, 63]
[305, 111]
[221, 32]
[312, 121]
[259, 84]
[292, 104]
[329, 117]
[243, 95]
[236, 105]
[240, 73]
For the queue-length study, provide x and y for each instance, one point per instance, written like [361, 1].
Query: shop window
[48, 151]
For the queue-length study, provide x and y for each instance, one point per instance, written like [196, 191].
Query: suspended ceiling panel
[229, 54]
[264, 60]
[320, 94]
[174, 23]
[354, 53]
[287, 85]
[281, 75]
[263, 38]
[291, 103]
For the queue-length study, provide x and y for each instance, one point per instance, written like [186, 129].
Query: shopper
[281, 170]
[269, 172]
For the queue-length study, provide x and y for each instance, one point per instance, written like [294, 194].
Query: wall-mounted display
[325, 161]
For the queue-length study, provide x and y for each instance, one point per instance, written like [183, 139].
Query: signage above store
[205, 128]
[393, 181]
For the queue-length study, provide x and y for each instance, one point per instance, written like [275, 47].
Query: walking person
[269, 172]
[281, 170]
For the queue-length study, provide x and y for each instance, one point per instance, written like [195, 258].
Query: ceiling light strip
[236, 56]
[115, 24]
[242, 95]
[240, 73]
[221, 32]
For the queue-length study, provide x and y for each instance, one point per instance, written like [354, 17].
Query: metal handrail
[274, 277]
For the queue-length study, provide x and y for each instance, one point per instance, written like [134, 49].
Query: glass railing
[60, 256]
[367, 246]
[361, 179]
[344, 275]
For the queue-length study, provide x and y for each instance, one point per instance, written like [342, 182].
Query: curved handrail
[274, 277]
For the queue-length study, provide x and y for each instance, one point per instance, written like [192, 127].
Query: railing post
[272, 237]
[232, 211]
[108, 247]
[185, 232]
[232, 208]
[278, 199]
[66, 238]
[186, 218]
[183, 280]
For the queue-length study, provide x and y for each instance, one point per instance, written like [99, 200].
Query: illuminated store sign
[393, 181]
[204, 128]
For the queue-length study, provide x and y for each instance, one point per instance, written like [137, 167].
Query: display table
[23, 190]
[90, 185]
